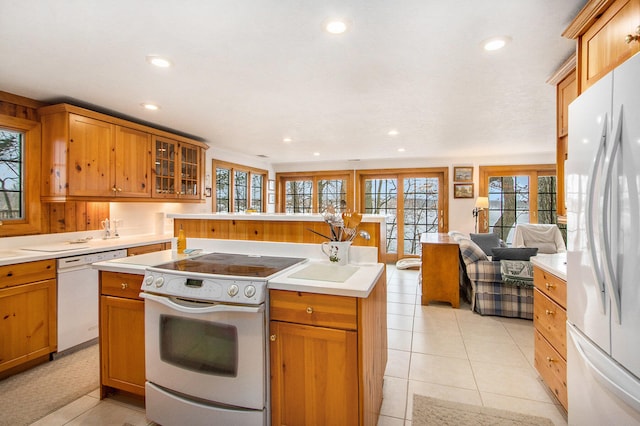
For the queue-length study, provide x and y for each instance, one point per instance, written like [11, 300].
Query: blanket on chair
[518, 273]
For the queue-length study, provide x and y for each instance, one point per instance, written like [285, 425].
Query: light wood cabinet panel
[29, 326]
[23, 273]
[122, 362]
[549, 322]
[606, 32]
[275, 230]
[439, 269]
[314, 309]
[149, 248]
[89, 157]
[552, 367]
[328, 356]
[132, 166]
[314, 375]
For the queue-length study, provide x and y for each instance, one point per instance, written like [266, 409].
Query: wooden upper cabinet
[178, 169]
[94, 157]
[567, 91]
[132, 165]
[606, 31]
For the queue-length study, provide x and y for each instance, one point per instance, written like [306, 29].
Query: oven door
[213, 352]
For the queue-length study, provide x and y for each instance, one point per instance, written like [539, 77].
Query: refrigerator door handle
[611, 278]
[606, 371]
[591, 223]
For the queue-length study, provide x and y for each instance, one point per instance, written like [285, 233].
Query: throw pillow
[513, 253]
[486, 242]
[470, 251]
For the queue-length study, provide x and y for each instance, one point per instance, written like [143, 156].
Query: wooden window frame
[233, 167]
[32, 221]
[283, 178]
[532, 170]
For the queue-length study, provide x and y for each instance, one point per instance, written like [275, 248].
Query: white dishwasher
[78, 297]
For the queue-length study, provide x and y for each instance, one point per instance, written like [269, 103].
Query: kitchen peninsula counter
[276, 227]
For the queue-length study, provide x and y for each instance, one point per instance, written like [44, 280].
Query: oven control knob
[148, 280]
[159, 282]
[249, 291]
[233, 290]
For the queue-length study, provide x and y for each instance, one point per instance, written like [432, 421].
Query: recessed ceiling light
[287, 140]
[401, 150]
[495, 43]
[150, 106]
[336, 26]
[158, 61]
[393, 132]
[316, 154]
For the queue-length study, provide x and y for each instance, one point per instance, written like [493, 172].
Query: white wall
[141, 218]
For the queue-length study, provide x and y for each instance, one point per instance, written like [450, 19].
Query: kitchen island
[330, 323]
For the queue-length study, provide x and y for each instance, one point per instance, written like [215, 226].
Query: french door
[413, 201]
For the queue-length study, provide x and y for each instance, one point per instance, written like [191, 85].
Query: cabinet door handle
[272, 337]
[549, 359]
[630, 37]
[124, 286]
[549, 286]
[309, 310]
[549, 312]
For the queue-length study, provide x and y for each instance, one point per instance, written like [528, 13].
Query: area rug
[432, 411]
[31, 395]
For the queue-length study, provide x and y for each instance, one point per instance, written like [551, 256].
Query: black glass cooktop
[231, 264]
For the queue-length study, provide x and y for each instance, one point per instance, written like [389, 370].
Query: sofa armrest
[484, 270]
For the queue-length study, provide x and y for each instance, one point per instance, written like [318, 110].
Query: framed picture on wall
[462, 190]
[271, 199]
[271, 185]
[463, 174]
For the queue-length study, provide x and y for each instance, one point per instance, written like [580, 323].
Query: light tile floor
[457, 355]
[434, 350]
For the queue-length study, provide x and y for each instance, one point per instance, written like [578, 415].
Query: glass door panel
[381, 197]
[420, 206]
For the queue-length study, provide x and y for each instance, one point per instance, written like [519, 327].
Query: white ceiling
[248, 73]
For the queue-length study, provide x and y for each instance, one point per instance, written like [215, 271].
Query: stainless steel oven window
[202, 346]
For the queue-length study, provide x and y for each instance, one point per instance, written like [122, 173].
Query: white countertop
[62, 248]
[359, 284]
[301, 217]
[555, 264]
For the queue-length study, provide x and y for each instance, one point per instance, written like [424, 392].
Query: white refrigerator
[603, 251]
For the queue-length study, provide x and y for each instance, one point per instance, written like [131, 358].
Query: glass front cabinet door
[177, 169]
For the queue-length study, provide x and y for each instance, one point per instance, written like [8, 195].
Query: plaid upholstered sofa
[490, 294]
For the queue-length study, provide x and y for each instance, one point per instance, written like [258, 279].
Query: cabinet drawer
[550, 285]
[550, 319]
[552, 367]
[22, 273]
[314, 309]
[120, 285]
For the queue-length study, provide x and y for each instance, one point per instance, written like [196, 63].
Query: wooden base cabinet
[121, 333]
[28, 326]
[439, 271]
[328, 356]
[549, 322]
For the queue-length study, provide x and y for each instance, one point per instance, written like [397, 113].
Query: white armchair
[546, 237]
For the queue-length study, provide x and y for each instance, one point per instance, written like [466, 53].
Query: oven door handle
[212, 308]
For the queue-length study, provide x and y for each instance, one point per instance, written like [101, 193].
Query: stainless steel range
[206, 339]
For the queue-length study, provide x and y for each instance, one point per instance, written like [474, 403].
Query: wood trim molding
[20, 100]
[565, 69]
[583, 20]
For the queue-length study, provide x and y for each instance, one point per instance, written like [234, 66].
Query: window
[420, 209]
[313, 192]
[238, 188]
[11, 174]
[19, 176]
[517, 194]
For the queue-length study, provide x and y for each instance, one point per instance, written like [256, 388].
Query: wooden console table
[440, 269]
